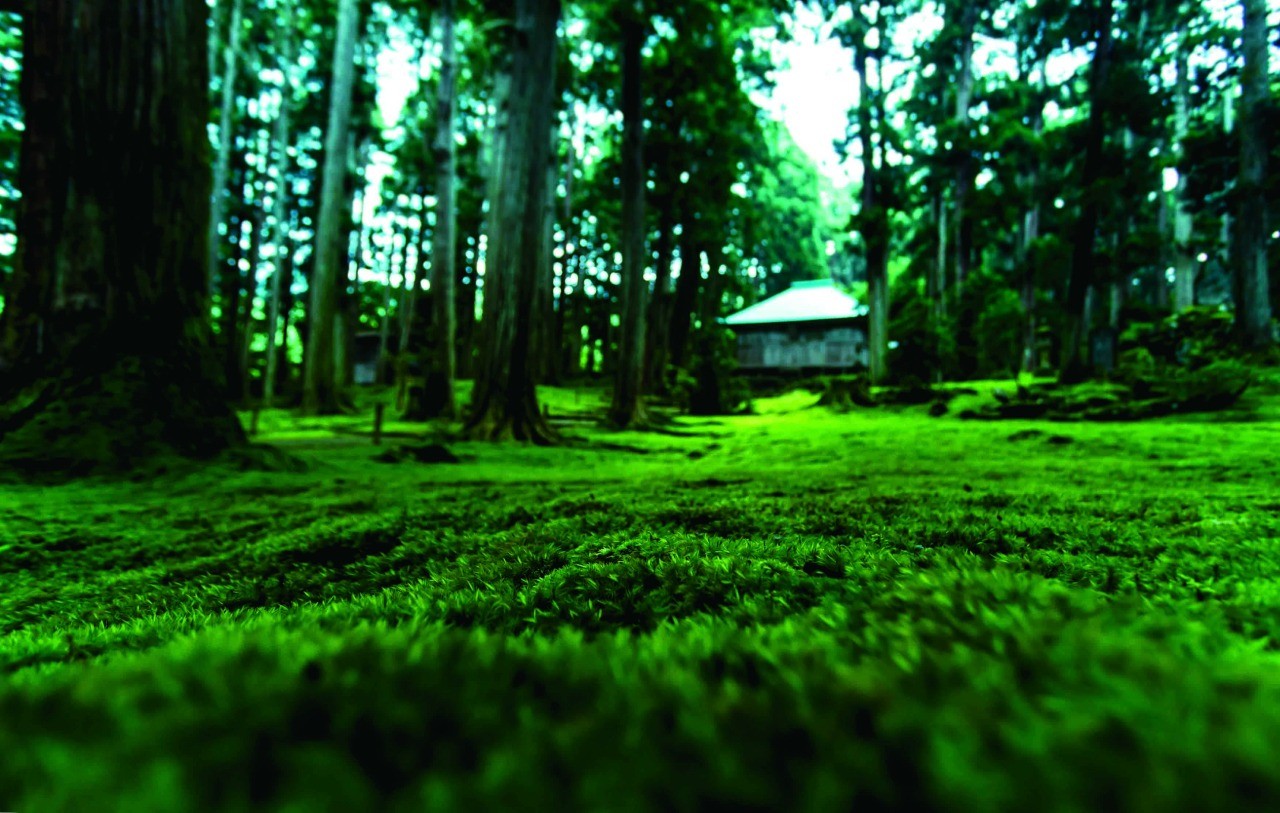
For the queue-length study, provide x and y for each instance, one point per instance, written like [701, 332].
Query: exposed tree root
[111, 413]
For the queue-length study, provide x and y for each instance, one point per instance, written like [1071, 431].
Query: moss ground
[793, 610]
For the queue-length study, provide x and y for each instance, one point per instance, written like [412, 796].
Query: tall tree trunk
[1253, 311]
[961, 245]
[656, 348]
[938, 279]
[874, 221]
[409, 288]
[322, 377]
[688, 285]
[505, 401]
[439, 400]
[226, 126]
[466, 315]
[390, 262]
[1074, 367]
[713, 294]
[1227, 231]
[1027, 261]
[244, 343]
[288, 317]
[282, 240]
[108, 313]
[231, 285]
[627, 408]
[545, 341]
[408, 306]
[1184, 269]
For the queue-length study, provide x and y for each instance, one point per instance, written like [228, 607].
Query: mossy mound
[104, 415]
[1144, 391]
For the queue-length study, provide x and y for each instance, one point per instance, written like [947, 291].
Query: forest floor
[793, 610]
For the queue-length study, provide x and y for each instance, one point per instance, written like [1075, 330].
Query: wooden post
[253, 423]
[378, 411]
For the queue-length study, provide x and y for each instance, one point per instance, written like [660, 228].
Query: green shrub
[999, 333]
[925, 349]
[1193, 338]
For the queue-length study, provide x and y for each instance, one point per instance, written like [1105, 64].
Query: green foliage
[999, 333]
[926, 347]
[1193, 338]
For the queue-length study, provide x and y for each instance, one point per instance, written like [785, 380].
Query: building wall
[794, 348]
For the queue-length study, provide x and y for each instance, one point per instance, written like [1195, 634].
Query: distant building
[810, 326]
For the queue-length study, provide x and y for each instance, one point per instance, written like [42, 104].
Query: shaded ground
[794, 610]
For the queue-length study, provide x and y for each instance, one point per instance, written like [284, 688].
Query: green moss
[795, 609]
[114, 416]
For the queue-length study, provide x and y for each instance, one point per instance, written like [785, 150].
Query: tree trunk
[874, 221]
[656, 349]
[1184, 269]
[230, 72]
[106, 327]
[438, 400]
[1027, 260]
[505, 402]
[409, 288]
[249, 295]
[688, 284]
[1030, 234]
[389, 262]
[938, 280]
[281, 238]
[1253, 311]
[713, 293]
[964, 156]
[1074, 367]
[566, 326]
[628, 409]
[322, 377]
[547, 340]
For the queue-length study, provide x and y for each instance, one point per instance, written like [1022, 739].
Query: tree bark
[249, 293]
[390, 263]
[546, 340]
[1184, 270]
[108, 311]
[874, 222]
[440, 400]
[570, 357]
[1253, 311]
[230, 73]
[322, 378]
[1082, 258]
[688, 285]
[281, 238]
[656, 349]
[505, 402]
[938, 280]
[627, 409]
[964, 157]
[1028, 262]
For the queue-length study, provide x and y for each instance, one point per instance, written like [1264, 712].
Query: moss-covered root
[120, 415]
